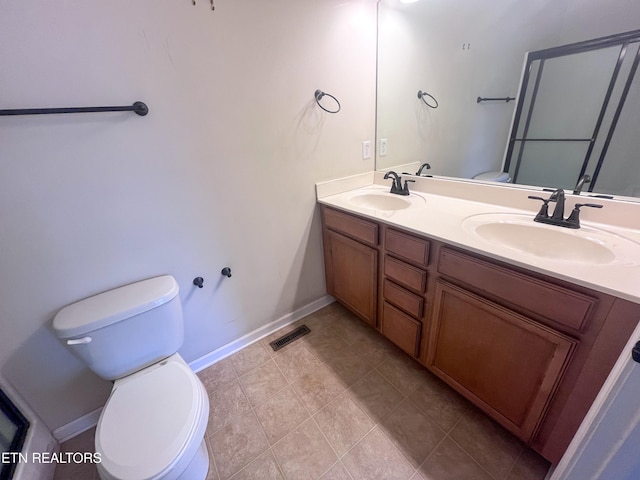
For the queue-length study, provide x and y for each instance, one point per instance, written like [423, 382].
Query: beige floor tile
[82, 471]
[217, 374]
[439, 402]
[337, 472]
[450, 462]
[319, 320]
[237, 444]
[281, 414]
[404, 373]
[343, 423]
[318, 388]
[225, 404]
[263, 382]
[376, 458]
[348, 369]
[375, 395]
[327, 344]
[212, 474]
[263, 468]
[529, 466]
[250, 357]
[374, 348]
[415, 435]
[495, 449]
[304, 453]
[350, 329]
[296, 362]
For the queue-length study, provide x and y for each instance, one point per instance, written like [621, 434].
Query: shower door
[577, 114]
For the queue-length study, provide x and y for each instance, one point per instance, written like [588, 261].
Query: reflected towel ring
[422, 95]
[318, 96]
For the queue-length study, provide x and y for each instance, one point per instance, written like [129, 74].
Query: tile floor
[342, 403]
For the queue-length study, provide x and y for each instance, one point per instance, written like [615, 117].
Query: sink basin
[586, 245]
[385, 201]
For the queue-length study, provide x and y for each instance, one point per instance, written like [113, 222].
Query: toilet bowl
[163, 408]
[496, 176]
[153, 424]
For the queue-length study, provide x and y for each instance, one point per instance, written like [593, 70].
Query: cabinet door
[352, 274]
[505, 363]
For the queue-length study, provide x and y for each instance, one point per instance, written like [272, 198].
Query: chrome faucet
[396, 184]
[581, 182]
[558, 196]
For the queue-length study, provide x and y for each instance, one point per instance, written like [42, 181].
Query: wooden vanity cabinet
[351, 262]
[530, 350]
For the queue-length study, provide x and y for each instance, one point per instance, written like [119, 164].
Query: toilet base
[199, 466]
[196, 470]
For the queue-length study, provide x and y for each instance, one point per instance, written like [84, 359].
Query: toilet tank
[121, 331]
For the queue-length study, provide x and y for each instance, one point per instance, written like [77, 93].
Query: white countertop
[441, 216]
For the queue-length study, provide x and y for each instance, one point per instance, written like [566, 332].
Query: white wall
[459, 50]
[221, 172]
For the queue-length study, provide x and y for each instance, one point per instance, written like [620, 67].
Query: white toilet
[496, 176]
[153, 424]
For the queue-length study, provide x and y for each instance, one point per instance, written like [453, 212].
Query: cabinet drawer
[556, 303]
[404, 274]
[401, 329]
[403, 299]
[412, 249]
[366, 232]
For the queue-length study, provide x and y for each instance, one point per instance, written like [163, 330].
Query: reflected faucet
[424, 166]
[583, 179]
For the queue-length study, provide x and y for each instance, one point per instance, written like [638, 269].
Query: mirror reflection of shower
[575, 117]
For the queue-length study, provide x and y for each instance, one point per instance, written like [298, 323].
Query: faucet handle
[405, 190]
[574, 218]
[544, 209]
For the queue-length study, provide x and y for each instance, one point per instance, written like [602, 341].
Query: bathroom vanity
[516, 337]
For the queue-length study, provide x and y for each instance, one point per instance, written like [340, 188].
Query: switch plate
[383, 147]
[366, 149]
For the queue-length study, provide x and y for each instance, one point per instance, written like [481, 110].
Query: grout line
[472, 457]
[513, 465]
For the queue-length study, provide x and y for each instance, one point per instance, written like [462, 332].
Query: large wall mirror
[459, 50]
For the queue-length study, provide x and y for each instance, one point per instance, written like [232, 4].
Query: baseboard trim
[77, 426]
[258, 334]
[90, 420]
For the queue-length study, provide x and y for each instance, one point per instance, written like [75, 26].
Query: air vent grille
[289, 337]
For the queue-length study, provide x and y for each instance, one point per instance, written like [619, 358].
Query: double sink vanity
[523, 318]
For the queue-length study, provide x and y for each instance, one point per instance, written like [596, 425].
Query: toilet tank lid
[113, 306]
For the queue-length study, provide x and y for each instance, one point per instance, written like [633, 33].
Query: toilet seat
[498, 176]
[152, 421]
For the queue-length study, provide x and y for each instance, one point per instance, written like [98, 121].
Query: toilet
[153, 424]
[496, 176]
